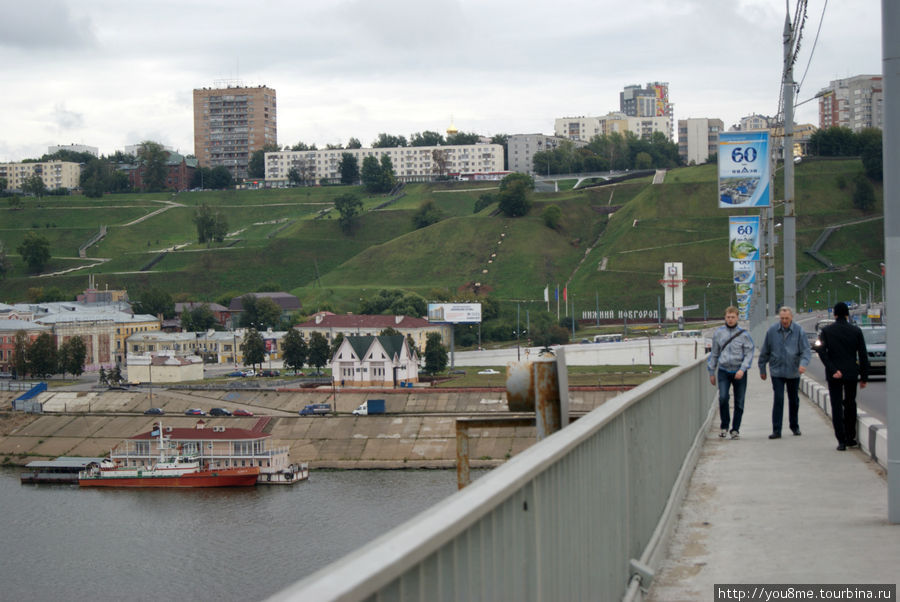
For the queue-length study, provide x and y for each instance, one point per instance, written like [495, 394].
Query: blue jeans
[727, 380]
[793, 391]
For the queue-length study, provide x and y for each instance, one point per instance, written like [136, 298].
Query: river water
[59, 542]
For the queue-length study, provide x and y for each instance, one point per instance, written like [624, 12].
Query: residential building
[231, 123]
[330, 325]
[213, 346]
[75, 148]
[55, 174]
[374, 361]
[698, 139]
[855, 103]
[649, 101]
[521, 148]
[755, 122]
[179, 172]
[585, 128]
[411, 163]
[8, 330]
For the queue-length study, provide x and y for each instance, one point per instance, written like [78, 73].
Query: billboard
[454, 313]
[743, 169]
[743, 238]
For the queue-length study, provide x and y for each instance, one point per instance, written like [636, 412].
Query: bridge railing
[562, 520]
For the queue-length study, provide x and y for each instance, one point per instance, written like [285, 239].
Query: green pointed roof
[392, 344]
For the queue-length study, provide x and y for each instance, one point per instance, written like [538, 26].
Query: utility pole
[890, 48]
[790, 225]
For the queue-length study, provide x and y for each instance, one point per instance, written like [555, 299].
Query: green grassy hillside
[609, 247]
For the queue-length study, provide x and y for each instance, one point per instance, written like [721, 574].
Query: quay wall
[418, 432]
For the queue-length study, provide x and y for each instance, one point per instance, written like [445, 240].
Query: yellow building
[55, 174]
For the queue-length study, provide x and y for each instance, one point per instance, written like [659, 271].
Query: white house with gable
[374, 361]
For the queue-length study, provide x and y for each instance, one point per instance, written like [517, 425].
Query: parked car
[876, 347]
[235, 373]
[488, 371]
[6, 375]
[194, 412]
[270, 373]
[219, 412]
[155, 411]
[242, 412]
[315, 409]
[250, 372]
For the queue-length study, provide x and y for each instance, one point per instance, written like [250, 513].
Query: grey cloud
[66, 119]
[45, 24]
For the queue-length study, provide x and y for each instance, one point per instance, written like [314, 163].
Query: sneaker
[775, 436]
[735, 434]
[723, 434]
[796, 432]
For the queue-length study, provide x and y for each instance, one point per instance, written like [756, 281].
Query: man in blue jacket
[787, 352]
[729, 360]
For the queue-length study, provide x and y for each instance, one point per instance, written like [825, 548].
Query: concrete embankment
[419, 430]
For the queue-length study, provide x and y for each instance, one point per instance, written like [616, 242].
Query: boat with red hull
[172, 469]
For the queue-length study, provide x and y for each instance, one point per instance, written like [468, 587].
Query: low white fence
[574, 517]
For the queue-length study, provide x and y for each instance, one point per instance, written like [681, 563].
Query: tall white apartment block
[698, 139]
[854, 103]
[75, 148]
[521, 149]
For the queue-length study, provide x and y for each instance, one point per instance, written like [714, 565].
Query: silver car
[876, 346]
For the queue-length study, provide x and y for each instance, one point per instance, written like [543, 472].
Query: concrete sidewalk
[791, 511]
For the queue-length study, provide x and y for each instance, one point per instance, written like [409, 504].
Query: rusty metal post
[548, 415]
[462, 454]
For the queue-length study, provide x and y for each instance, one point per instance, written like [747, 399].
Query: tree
[72, 354]
[388, 180]
[348, 207]
[5, 263]
[371, 175]
[42, 356]
[502, 140]
[336, 343]
[20, 354]
[483, 201]
[440, 158]
[155, 301]
[435, 354]
[294, 176]
[318, 351]
[427, 214]
[152, 157]
[513, 195]
[551, 216]
[295, 349]
[354, 143]
[462, 138]
[863, 192]
[253, 348]
[35, 251]
[268, 313]
[256, 167]
[870, 151]
[426, 138]
[219, 178]
[198, 319]
[349, 168]
[34, 185]
[211, 224]
[388, 141]
[94, 178]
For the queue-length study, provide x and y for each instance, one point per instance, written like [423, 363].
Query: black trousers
[843, 409]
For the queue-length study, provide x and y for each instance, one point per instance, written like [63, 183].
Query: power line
[813, 51]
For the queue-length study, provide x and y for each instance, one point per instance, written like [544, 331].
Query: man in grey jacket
[787, 352]
[729, 359]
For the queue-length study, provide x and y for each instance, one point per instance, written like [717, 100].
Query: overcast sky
[108, 73]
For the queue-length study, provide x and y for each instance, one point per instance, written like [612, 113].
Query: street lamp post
[882, 285]
[858, 288]
[704, 301]
[869, 284]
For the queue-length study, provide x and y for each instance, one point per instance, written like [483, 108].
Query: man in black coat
[843, 351]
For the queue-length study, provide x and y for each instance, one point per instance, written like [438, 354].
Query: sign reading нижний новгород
[743, 169]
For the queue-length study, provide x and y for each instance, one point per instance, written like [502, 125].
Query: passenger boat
[173, 468]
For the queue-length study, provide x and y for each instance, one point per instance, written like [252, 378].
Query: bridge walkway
[792, 510]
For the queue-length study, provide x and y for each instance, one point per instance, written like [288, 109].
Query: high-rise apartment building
[698, 139]
[520, 150]
[854, 103]
[232, 122]
[649, 101]
[585, 128]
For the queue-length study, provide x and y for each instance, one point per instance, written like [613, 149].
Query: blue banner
[743, 169]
